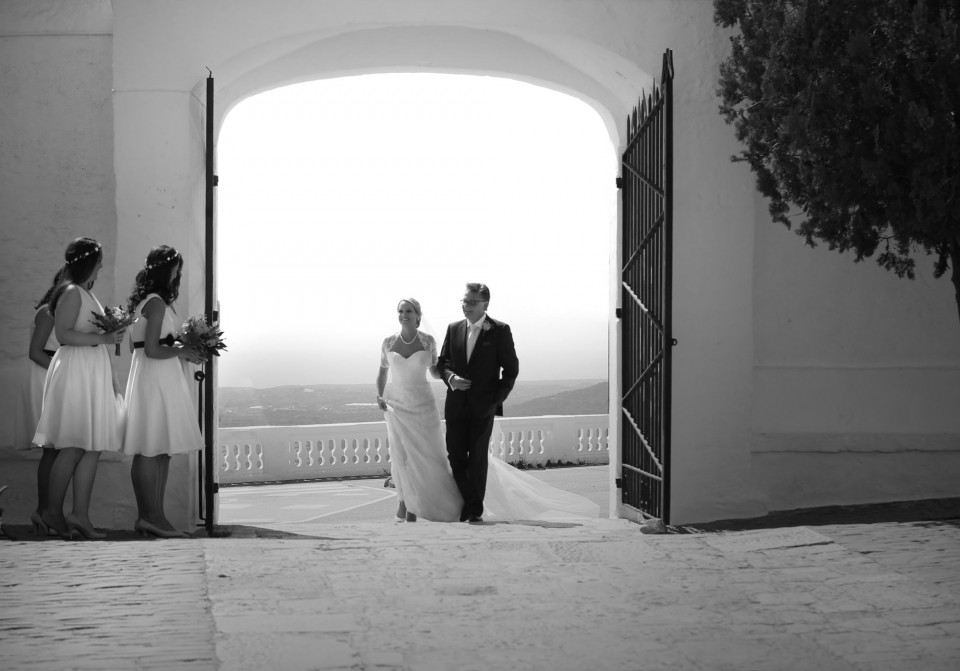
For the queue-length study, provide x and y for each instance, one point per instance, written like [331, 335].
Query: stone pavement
[599, 595]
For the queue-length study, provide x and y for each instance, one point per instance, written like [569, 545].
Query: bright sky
[337, 198]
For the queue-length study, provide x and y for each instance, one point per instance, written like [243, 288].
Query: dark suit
[492, 371]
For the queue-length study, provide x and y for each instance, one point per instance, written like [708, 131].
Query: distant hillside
[347, 403]
[592, 400]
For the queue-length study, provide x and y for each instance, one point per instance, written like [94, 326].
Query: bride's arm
[431, 346]
[381, 385]
[382, 375]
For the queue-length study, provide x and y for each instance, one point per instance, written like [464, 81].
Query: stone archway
[593, 51]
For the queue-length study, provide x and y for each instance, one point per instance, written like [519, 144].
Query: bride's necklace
[411, 339]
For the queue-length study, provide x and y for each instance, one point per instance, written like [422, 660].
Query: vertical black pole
[209, 460]
[667, 84]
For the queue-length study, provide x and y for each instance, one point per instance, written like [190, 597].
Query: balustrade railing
[278, 453]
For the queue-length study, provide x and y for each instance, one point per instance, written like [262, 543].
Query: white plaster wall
[56, 163]
[857, 376]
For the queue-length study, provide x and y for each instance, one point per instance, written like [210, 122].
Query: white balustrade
[280, 453]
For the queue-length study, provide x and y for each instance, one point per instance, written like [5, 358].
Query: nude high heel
[40, 526]
[74, 527]
[143, 528]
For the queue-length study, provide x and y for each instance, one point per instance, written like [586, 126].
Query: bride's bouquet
[113, 320]
[205, 338]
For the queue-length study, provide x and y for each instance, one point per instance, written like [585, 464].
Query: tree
[849, 112]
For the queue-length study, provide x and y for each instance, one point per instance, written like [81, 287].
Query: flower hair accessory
[76, 259]
[161, 262]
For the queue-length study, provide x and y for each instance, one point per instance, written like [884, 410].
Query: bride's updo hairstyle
[154, 278]
[416, 307]
[82, 257]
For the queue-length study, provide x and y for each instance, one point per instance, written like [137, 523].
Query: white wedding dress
[418, 455]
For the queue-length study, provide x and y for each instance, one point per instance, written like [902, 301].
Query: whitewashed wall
[131, 172]
[857, 377]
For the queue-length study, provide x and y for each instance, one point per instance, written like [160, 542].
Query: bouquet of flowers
[205, 338]
[113, 320]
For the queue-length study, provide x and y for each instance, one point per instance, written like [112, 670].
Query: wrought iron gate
[207, 485]
[646, 184]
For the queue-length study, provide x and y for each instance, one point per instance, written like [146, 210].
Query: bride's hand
[459, 383]
[381, 403]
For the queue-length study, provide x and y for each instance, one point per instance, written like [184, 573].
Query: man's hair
[479, 288]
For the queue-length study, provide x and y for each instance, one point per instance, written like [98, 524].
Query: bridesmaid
[161, 417]
[81, 409]
[43, 345]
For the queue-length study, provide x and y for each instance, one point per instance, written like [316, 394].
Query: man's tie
[472, 331]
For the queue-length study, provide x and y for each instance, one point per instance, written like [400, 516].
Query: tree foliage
[848, 111]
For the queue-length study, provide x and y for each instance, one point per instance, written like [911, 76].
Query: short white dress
[161, 415]
[80, 408]
[31, 392]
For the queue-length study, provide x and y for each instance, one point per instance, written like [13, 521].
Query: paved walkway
[601, 595]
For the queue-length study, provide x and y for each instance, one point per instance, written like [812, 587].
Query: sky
[340, 197]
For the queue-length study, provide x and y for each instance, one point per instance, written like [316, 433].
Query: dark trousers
[468, 440]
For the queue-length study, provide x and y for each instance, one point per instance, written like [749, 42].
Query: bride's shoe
[143, 528]
[40, 526]
[74, 526]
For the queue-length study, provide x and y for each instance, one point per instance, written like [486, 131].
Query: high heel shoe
[75, 527]
[39, 525]
[143, 528]
[52, 527]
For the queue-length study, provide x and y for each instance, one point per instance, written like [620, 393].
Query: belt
[168, 341]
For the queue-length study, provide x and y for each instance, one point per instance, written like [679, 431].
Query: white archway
[596, 52]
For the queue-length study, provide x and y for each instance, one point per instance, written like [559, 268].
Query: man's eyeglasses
[471, 301]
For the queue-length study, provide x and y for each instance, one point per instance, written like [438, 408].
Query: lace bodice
[411, 369]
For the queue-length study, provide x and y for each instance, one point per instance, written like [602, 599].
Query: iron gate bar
[646, 446]
[648, 474]
[210, 487]
[648, 114]
[653, 317]
[655, 228]
[639, 175]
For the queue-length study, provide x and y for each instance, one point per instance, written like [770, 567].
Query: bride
[418, 454]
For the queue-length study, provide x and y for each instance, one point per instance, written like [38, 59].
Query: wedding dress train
[418, 455]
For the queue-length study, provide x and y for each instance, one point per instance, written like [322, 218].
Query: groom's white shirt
[473, 332]
[470, 325]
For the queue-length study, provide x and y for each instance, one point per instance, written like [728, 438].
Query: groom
[479, 364]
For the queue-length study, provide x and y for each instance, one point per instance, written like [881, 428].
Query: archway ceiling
[599, 78]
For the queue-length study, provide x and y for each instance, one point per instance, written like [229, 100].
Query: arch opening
[339, 197]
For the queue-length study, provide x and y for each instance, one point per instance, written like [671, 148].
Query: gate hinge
[619, 483]
[216, 180]
[619, 313]
[215, 488]
[619, 182]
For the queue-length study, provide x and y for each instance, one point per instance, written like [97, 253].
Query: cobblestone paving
[596, 597]
[104, 605]
[859, 596]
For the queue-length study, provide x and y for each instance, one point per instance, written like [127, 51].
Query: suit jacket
[492, 370]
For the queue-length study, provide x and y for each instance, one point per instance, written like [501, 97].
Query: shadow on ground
[932, 511]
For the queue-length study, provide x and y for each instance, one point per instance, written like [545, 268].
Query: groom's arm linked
[490, 376]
